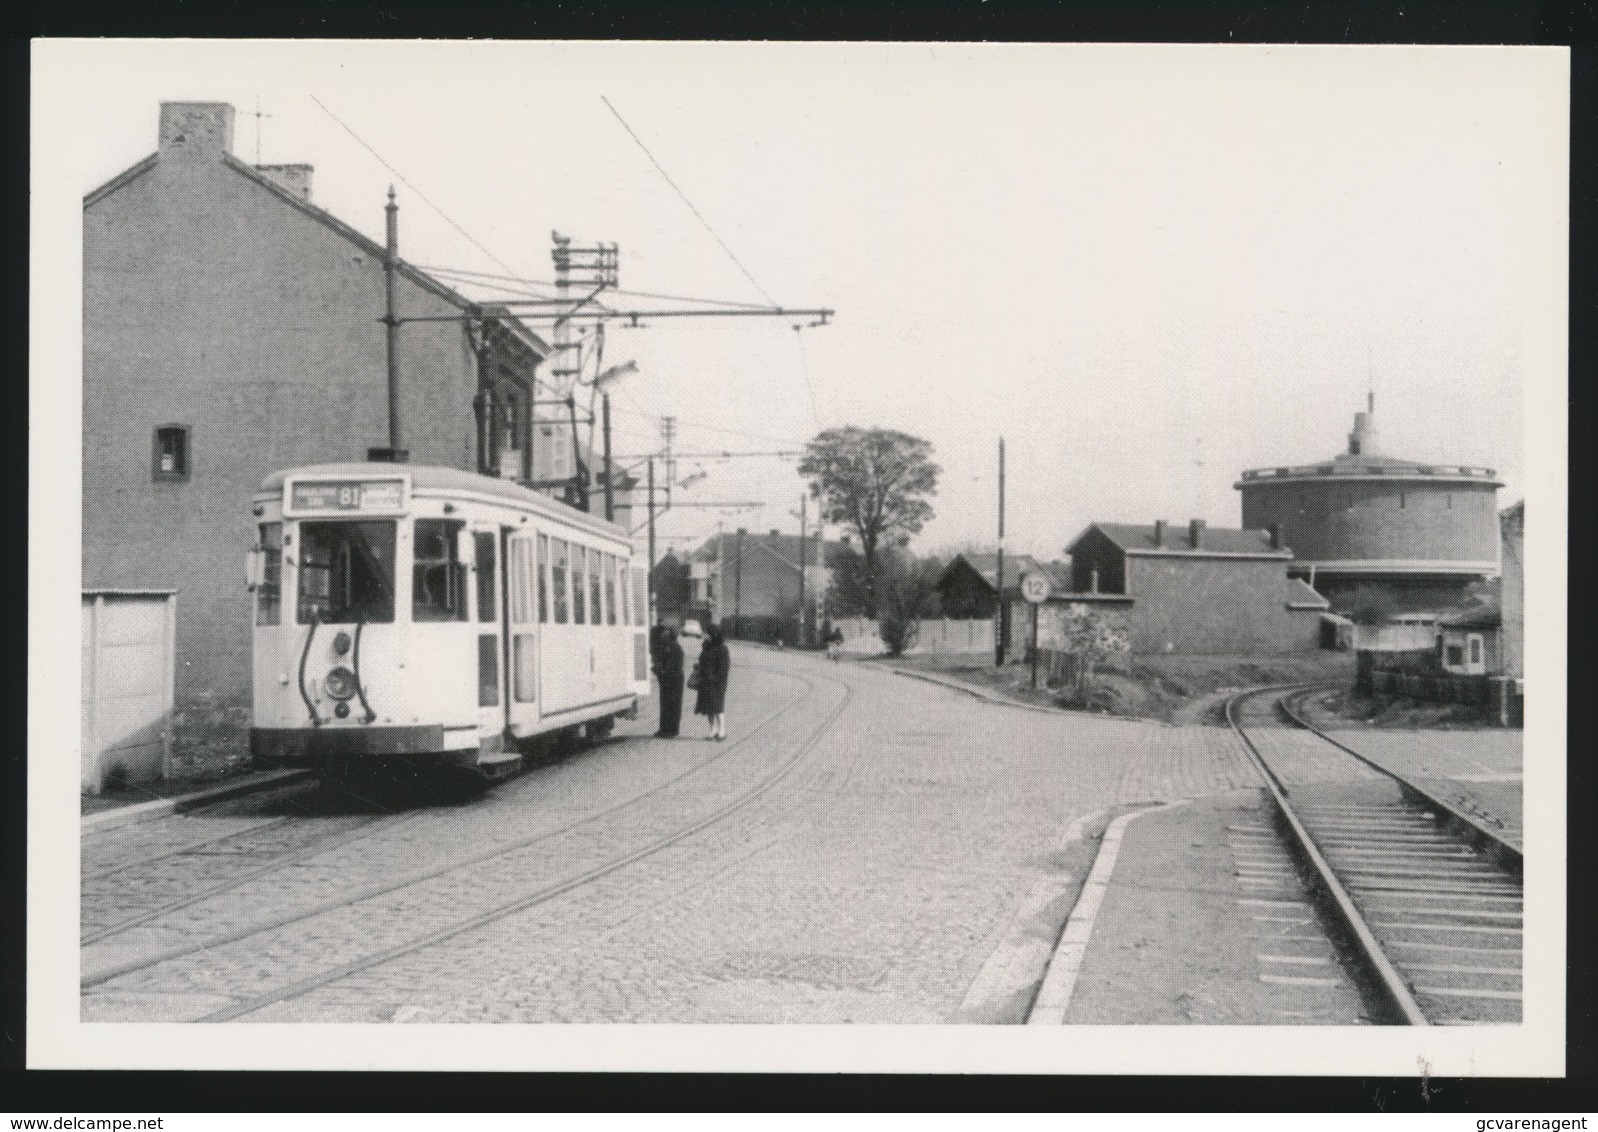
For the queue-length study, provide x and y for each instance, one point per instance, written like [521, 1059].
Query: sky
[1147, 268]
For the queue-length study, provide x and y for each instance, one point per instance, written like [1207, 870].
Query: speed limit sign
[1035, 587]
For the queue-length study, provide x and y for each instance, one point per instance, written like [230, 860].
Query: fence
[1418, 675]
[933, 634]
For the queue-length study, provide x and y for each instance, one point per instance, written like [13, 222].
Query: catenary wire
[686, 201]
[422, 196]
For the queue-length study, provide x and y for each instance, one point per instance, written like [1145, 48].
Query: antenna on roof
[258, 116]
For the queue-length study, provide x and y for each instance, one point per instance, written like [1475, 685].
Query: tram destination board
[381, 496]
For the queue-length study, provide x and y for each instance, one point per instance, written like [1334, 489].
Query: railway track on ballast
[1426, 898]
[503, 903]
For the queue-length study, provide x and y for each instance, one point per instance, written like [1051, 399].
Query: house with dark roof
[232, 328]
[750, 584]
[968, 588]
[1197, 589]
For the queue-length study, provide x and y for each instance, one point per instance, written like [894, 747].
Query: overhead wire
[662, 169]
[718, 428]
[421, 195]
[608, 290]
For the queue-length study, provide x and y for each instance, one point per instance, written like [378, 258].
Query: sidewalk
[1201, 921]
[157, 799]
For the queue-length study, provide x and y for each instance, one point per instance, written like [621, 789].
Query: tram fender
[296, 746]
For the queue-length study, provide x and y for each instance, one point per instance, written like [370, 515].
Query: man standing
[666, 658]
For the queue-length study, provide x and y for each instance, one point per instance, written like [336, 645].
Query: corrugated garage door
[127, 686]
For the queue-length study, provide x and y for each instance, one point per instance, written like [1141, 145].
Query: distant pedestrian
[666, 660]
[713, 667]
[834, 643]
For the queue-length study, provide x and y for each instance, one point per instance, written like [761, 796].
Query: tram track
[1427, 897]
[477, 860]
[323, 844]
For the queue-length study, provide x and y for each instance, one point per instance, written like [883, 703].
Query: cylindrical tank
[1363, 518]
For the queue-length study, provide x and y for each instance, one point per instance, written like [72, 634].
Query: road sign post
[1035, 588]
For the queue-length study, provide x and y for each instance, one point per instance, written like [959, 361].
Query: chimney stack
[1195, 532]
[1159, 532]
[195, 131]
[1276, 536]
[295, 178]
[775, 532]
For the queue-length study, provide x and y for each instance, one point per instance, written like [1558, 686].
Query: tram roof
[432, 479]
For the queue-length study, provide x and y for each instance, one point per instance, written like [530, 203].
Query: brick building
[231, 328]
[1361, 523]
[1199, 590]
[749, 583]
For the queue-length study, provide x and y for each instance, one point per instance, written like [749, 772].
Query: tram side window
[557, 580]
[484, 545]
[543, 577]
[438, 577]
[579, 584]
[640, 598]
[595, 587]
[610, 589]
[624, 591]
[269, 594]
[346, 572]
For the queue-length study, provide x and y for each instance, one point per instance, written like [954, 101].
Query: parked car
[690, 628]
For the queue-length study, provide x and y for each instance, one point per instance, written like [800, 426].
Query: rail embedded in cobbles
[1424, 915]
[550, 891]
[320, 845]
[495, 871]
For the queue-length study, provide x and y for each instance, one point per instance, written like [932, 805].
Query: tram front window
[346, 572]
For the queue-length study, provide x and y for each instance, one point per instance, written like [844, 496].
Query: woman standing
[713, 666]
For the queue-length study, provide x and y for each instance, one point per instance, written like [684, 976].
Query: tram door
[520, 627]
[492, 703]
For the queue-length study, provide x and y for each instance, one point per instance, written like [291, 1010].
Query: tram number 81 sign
[1035, 587]
[378, 496]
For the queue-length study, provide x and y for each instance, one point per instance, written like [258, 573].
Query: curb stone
[161, 807]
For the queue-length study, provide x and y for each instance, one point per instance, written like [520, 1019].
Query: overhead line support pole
[390, 266]
[998, 629]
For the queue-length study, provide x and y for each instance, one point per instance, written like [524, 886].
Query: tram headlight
[340, 683]
[341, 643]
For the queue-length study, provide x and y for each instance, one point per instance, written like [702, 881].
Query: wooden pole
[998, 628]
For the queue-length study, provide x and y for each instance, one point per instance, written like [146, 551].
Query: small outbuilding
[1469, 641]
[968, 588]
[1199, 590]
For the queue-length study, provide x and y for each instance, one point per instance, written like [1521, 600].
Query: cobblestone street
[858, 856]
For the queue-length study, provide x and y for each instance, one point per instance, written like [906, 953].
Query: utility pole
[803, 513]
[998, 629]
[395, 452]
[598, 266]
[721, 538]
[668, 436]
[738, 587]
[610, 492]
[651, 533]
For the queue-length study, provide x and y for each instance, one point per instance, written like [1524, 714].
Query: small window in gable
[171, 453]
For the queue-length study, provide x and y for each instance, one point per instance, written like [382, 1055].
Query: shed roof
[1138, 538]
[1302, 595]
[1485, 616]
[986, 566]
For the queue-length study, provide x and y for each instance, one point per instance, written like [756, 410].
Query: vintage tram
[429, 618]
